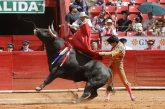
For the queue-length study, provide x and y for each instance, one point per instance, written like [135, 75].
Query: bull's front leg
[49, 79]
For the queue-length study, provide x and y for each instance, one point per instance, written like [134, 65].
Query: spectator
[1, 49]
[10, 47]
[124, 24]
[158, 29]
[163, 29]
[94, 45]
[140, 32]
[83, 18]
[25, 46]
[137, 23]
[121, 3]
[104, 3]
[73, 14]
[149, 23]
[81, 5]
[109, 28]
[150, 45]
[99, 21]
[91, 3]
[124, 41]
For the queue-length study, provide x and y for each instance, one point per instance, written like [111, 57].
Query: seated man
[73, 14]
[10, 47]
[25, 46]
[83, 19]
[99, 21]
[149, 23]
[124, 24]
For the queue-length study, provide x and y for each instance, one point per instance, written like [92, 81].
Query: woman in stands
[109, 29]
[137, 22]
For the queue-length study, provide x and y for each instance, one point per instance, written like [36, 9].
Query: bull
[78, 67]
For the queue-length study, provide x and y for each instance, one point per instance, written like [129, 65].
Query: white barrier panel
[137, 43]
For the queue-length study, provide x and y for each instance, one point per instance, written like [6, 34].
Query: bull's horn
[51, 33]
[52, 28]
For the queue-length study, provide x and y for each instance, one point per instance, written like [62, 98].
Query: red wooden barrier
[4, 40]
[21, 70]
[150, 68]
[29, 69]
[6, 71]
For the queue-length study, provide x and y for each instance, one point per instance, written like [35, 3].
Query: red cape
[81, 41]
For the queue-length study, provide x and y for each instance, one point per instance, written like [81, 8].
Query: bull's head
[52, 33]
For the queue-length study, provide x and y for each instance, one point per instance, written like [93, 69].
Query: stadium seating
[158, 17]
[132, 17]
[162, 1]
[133, 9]
[119, 9]
[126, 0]
[95, 36]
[110, 9]
[144, 16]
[121, 33]
[113, 16]
[131, 33]
[153, 1]
[119, 16]
[140, 1]
[95, 10]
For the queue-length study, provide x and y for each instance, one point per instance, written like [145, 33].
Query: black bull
[78, 67]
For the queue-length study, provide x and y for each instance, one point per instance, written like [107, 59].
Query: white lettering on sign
[6, 8]
[33, 7]
[18, 6]
[22, 6]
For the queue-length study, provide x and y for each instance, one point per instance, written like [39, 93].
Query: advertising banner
[137, 43]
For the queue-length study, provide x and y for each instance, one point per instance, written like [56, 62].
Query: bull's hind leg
[90, 91]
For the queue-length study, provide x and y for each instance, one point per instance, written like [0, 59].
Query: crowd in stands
[108, 23]
[24, 48]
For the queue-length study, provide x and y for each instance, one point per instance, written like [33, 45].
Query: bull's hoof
[83, 98]
[40, 87]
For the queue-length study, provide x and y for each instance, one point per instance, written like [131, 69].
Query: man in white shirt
[149, 23]
[83, 18]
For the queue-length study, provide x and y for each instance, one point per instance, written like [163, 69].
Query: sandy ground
[145, 99]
